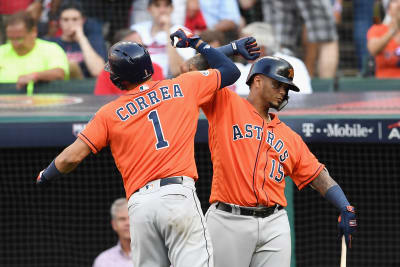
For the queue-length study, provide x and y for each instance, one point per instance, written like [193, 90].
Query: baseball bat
[344, 252]
[176, 40]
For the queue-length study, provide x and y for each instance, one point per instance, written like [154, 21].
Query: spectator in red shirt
[104, 86]
[384, 43]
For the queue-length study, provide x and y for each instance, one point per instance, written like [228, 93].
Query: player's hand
[184, 38]
[246, 47]
[41, 179]
[347, 223]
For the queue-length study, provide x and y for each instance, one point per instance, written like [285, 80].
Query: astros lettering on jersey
[156, 121]
[251, 157]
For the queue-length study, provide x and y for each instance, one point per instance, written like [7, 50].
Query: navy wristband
[227, 50]
[336, 196]
[51, 171]
[201, 46]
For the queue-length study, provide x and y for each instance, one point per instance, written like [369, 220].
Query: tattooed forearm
[323, 182]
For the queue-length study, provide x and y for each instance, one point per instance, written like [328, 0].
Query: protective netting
[68, 222]
[369, 174]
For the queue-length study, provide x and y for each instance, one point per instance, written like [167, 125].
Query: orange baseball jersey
[151, 128]
[251, 157]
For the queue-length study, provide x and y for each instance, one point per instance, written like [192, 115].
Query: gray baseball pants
[241, 240]
[168, 227]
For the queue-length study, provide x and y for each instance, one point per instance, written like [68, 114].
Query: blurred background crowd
[321, 38]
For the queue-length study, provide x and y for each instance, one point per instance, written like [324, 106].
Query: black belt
[171, 180]
[250, 211]
[168, 180]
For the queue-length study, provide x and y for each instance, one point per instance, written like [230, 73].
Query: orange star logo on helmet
[291, 73]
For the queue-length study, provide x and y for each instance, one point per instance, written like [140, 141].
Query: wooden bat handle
[344, 252]
[176, 40]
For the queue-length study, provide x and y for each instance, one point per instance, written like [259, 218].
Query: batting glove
[41, 179]
[246, 47]
[184, 38]
[347, 223]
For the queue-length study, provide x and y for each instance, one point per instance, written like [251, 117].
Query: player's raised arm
[229, 72]
[325, 184]
[65, 162]
[247, 47]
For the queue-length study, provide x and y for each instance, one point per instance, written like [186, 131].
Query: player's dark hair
[134, 85]
[200, 62]
[23, 17]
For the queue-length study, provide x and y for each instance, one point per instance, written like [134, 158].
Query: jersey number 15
[277, 173]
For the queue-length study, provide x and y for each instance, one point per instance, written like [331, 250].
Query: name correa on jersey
[254, 131]
[150, 99]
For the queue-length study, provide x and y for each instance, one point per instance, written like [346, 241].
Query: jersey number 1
[161, 143]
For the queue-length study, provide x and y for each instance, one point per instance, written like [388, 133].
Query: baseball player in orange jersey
[150, 131]
[252, 152]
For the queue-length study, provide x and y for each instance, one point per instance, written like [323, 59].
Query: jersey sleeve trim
[88, 142]
[312, 177]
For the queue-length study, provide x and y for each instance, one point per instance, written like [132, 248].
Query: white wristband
[234, 47]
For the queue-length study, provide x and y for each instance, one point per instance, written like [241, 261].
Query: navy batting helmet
[128, 63]
[274, 67]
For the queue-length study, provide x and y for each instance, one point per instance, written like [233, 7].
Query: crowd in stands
[304, 32]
